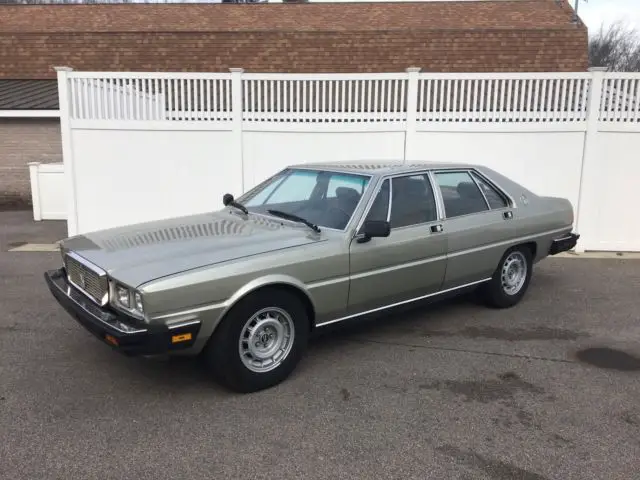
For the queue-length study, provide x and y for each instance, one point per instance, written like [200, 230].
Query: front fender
[211, 315]
[267, 280]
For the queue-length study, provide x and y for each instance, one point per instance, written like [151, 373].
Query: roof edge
[570, 25]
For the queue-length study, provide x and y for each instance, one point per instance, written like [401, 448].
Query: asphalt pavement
[546, 390]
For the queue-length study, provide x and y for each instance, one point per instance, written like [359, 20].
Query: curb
[600, 255]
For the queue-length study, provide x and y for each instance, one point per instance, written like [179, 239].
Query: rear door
[478, 222]
[410, 262]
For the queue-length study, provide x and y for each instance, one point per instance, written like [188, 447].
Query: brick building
[451, 36]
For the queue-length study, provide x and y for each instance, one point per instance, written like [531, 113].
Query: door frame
[355, 235]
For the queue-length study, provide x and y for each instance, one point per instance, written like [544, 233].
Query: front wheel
[259, 342]
[511, 279]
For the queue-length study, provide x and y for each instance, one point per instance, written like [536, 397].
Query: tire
[271, 314]
[499, 294]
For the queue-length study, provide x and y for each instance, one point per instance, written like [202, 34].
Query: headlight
[122, 296]
[127, 299]
[138, 302]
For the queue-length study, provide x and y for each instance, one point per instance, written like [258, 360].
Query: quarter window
[495, 199]
[460, 194]
[412, 201]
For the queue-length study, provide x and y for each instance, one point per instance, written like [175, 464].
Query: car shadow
[180, 374]
[432, 312]
[188, 375]
[175, 374]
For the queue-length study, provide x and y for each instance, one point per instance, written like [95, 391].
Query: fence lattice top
[353, 98]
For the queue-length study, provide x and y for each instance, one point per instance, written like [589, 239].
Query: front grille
[87, 280]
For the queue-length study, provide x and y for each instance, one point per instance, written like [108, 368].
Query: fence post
[67, 149]
[34, 177]
[236, 115]
[412, 104]
[588, 172]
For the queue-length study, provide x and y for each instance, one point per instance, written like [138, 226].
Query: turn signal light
[181, 338]
[111, 340]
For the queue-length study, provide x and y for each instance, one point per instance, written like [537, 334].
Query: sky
[596, 12]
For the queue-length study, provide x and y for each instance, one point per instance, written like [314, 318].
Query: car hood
[139, 253]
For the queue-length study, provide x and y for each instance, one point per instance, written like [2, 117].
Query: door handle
[436, 228]
[507, 215]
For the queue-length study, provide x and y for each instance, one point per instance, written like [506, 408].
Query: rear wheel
[511, 279]
[259, 342]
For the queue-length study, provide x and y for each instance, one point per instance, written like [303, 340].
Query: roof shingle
[28, 95]
[338, 17]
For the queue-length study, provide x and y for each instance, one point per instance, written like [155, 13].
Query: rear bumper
[563, 244]
[124, 333]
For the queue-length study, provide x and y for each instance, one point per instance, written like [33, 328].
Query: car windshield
[327, 199]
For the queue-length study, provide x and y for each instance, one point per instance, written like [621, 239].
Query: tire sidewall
[225, 356]
[501, 297]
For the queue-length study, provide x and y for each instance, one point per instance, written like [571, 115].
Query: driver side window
[413, 201]
[380, 208]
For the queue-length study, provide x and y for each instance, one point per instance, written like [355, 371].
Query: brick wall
[508, 50]
[22, 141]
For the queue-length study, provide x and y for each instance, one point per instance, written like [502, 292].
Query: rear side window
[495, 199]
[460, 194]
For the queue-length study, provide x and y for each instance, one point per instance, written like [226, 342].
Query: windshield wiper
[295, 218]
[227, 199]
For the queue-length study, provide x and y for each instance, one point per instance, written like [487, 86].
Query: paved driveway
[455, 392]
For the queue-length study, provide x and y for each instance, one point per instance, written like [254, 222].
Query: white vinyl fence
[47, 191]
[144, 146]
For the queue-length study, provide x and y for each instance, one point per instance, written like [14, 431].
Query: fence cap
[413, 69]
[63, 69]
[598, 69]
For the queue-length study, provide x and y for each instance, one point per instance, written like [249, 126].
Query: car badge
[82, 280]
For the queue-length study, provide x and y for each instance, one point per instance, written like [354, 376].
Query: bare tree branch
[617, 48]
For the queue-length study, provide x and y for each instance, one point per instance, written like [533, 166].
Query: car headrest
[408, 187]
[347, 193]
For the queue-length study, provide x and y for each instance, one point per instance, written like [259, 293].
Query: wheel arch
[532, 246]
[282, 282]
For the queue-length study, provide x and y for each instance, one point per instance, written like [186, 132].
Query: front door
[408, 264]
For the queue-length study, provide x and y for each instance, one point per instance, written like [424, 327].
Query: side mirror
[374, 228]
[227, 199]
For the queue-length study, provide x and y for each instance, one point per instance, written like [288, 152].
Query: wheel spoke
[266, 339]
[513, 273]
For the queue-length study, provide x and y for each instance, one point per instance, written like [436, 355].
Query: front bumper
[564, 244]
[122, 332]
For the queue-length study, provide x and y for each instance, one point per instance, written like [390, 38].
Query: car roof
[379, 167]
